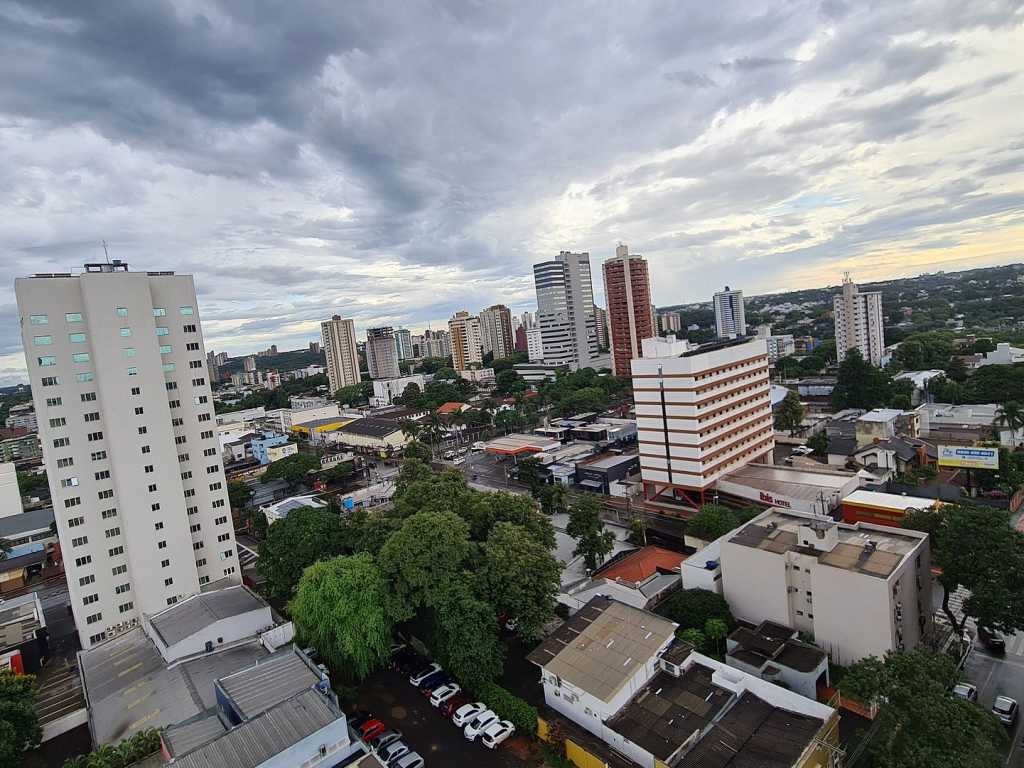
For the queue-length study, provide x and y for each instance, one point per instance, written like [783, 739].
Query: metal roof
[371, 427]
[15, 526]
[266, 735]
[186, 736]
[184, 619]
[259, 688]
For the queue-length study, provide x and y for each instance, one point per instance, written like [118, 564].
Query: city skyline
[766, 146]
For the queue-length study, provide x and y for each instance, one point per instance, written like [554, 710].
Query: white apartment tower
[496, 334]
[466, 341]
[565, 310]
[340, 349]
[118, 373]
[403, 341]
[859, 323]
[730, 317]
[382, 353]
[700, 413]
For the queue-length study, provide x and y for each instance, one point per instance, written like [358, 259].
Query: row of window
[45, 341]
[76, 317]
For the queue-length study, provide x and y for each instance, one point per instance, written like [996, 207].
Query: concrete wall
[754, 584]
[226, 630]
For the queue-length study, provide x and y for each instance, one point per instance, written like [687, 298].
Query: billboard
[968, 457]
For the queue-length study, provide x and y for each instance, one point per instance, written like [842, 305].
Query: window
[198, 382]
[125, 607]
[88, 397]
[187, 311]
[145, 449]
[206, 434]
[60, 421]
[161, 545]
[218, 503]
[180, 439]
[106, 514]
[190, 492]
[182, 457]
[90, 599]
[80, 357]
[74, 522]
[177, 422]
[102, 474]
[192, 510]
[197, 545]
[127, 352]
[76, 338]
[215, 486]
[112, 532]
[168, 582]
[114, 552]
[83, 560]
[186, 475]
[196, 527]
[38, 319]
[51, 381]
[229, 571]
[69, 482]
[107, 494]
[139, 411]
[161, 331]
[84, 377]
[188, 328]
[122, 311]
[170, 385]
[200, 400]
[52, 402]
[195, 363]
[74, 501]
[87, 580]
[136, 390]
[119, 569]
[94, 618]
[199, 564]
[155, 507]
[223, 537]
[172, 600]
[192, 346]
[165, 349]
[62, 442]
[174, 403]
[72, 317]
[148, 469]
[65, 462]
[92, 416]
[126, 333]
[133, 371]
[152, 487]
[142, 430]
[159, 312]
[165, 563]
[204, 417]
[42, 341]
[209, 452]
[120, 589]
[93, 639]
[47, 361]
[79, 541]
[168, 367]
[212, 468]
[94, 436]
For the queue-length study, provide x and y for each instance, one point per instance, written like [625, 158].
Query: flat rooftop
[600, 648]
[193, 614]
[516, 444]
[20, 617]
[16, 526]
[794, 482]
[777, 531]
[609, 462]
[887, 500]
[371, 426]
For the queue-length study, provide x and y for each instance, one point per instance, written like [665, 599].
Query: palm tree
[1011, 416]
[411, 429]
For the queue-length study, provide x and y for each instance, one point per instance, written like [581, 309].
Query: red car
[456, 701]
[371, 728]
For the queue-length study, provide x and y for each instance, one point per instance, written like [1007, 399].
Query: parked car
[479, 724]
[371, 728]
[419, 676]
[478, 446]
[358, 718]
[434, 681]
[803, 450]
[992, 640]
[965, 691]
[449, 455]
[467, 712]
[449, 707]
[385, 738]
[1005, 709]
[391, 751]
[411, 760]
[443, 693]
[459, 460]
[496, 733]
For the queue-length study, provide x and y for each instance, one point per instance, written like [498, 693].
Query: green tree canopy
[465, 636]
[292, 469]
[920, 723]
[712, 521]
[295, 542]
[978, 549]
[860, 384]
[239, 494]
[593, 542]
[694, 608]
[19, 725]
[355, 394]
[340, 607]
[818, 442]
[30, 483]
[790, 415]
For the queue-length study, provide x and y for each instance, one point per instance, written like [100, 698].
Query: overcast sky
[395, 162]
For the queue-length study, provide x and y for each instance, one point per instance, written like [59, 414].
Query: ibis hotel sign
[968, 457]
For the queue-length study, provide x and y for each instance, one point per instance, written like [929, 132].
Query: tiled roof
[643, 563]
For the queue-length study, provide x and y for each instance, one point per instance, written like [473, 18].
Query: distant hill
[284, 361]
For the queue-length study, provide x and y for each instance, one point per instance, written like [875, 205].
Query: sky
[396, 162]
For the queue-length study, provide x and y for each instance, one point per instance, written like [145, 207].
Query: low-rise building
[386, 390]
[538, 372]
[598, 475]
[272, 447]
[1003, 354]
[879, 424]
[23, 416]
[774, 653]
[482, 377]
[618, 673]
[964, 424]
[919, 380]
[278, 510]
[878, 508]
[318, 431]
[641, 578]
[798, 488]
[859, 590]
[381, 436]
[23, 638]
[897, 454]
[21, 449]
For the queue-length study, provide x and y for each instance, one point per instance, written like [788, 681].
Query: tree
[355, 394]
[976, 548]
[860, 384]
[302, 538]
[31, 482]
[956, 370]
[239, 494]
[593, 542]
[553, 499]
[716, 630]
[508, 382]
[411, 429]
[465, 636]
[5, 548]
[712, 521]
[1011, 416]
[529, 475]
[292, 469]
[417, 450]
[340, 607]
[638, 531]
[519, 577]
[410, 394]
[19, 725]
[790, 415]
[508, 420]
[694, 608]
[920, 723]
[694, 637]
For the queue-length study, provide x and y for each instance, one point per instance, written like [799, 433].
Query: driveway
[390, 697]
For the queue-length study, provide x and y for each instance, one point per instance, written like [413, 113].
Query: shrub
[510, 707]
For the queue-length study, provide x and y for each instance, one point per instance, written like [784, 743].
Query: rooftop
[643, 563]
[325, 422]
[450, 408]
[794, 482]
[886, 500]
[14, 526]
[883, 415]
[284, 506]
[611, 461]
[602, 646]
[20, 617]
[775, 643]
[371, 427]
[516, 444]
[187, 617]
[256, 689]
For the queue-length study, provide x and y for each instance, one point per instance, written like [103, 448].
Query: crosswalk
[1014, 643]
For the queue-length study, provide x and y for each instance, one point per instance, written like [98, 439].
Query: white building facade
[340, 349]
[117, 366]
[565, 310]
[730, 315]
[382, 353]
[859, 323]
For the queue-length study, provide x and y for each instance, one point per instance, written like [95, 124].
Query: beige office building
[118, 373]
[342, 356]
[467, 344]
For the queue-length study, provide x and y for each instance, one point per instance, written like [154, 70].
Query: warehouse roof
[187, 617]
[258, 688]
[15, 526]
[371, 427]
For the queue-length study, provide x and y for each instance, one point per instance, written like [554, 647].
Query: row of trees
[19, 725]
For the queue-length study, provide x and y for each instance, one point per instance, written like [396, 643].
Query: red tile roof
[450, 408]
[642, 564]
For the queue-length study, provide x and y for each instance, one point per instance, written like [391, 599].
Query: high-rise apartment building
[627, 289]
[403, 341]
[496, 331]
[529, 320]
[565, 310]
[730, 316]
[700, 412]
[339, 337]
[466, 343]
[670, 322]
[212, 369]
[118, 374]
[382, 353]
[601, 327]
[250, 363]
[859, 323]
[535, 345]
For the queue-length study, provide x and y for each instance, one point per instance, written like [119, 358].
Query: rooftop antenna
[107, 255]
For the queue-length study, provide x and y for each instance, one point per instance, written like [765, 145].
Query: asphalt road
[486, 472]
[1001, 676]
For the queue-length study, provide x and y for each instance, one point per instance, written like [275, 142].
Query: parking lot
[400, 705]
